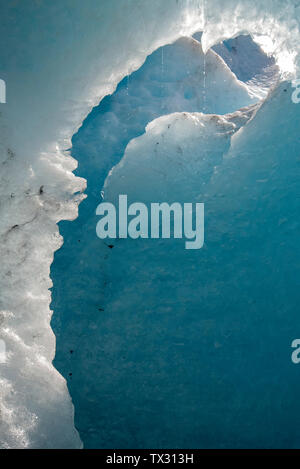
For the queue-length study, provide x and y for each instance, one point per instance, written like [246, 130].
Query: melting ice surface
[164, 347]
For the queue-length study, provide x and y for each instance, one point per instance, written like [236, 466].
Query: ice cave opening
[149, 336]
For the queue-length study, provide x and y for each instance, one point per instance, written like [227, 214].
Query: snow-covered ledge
[58, 59]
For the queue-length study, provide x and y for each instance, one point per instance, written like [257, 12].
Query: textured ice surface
[58, 60]
[192, 349]
[250, 65]
[103, 303]
[159, 87]
[35, 410]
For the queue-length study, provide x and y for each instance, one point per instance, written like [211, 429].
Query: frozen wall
[58, 59]
[175, 78]
[194, 350]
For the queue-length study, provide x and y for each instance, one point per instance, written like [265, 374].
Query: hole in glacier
[247, 61]
[94, 353]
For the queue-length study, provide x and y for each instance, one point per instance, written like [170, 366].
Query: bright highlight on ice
[2, 351]
[138, 227]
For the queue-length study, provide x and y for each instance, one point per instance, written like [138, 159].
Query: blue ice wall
[194, 349]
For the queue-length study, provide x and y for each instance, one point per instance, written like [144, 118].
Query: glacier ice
[195, 342]
[59, 59]
[259, 71]
[146, 94]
